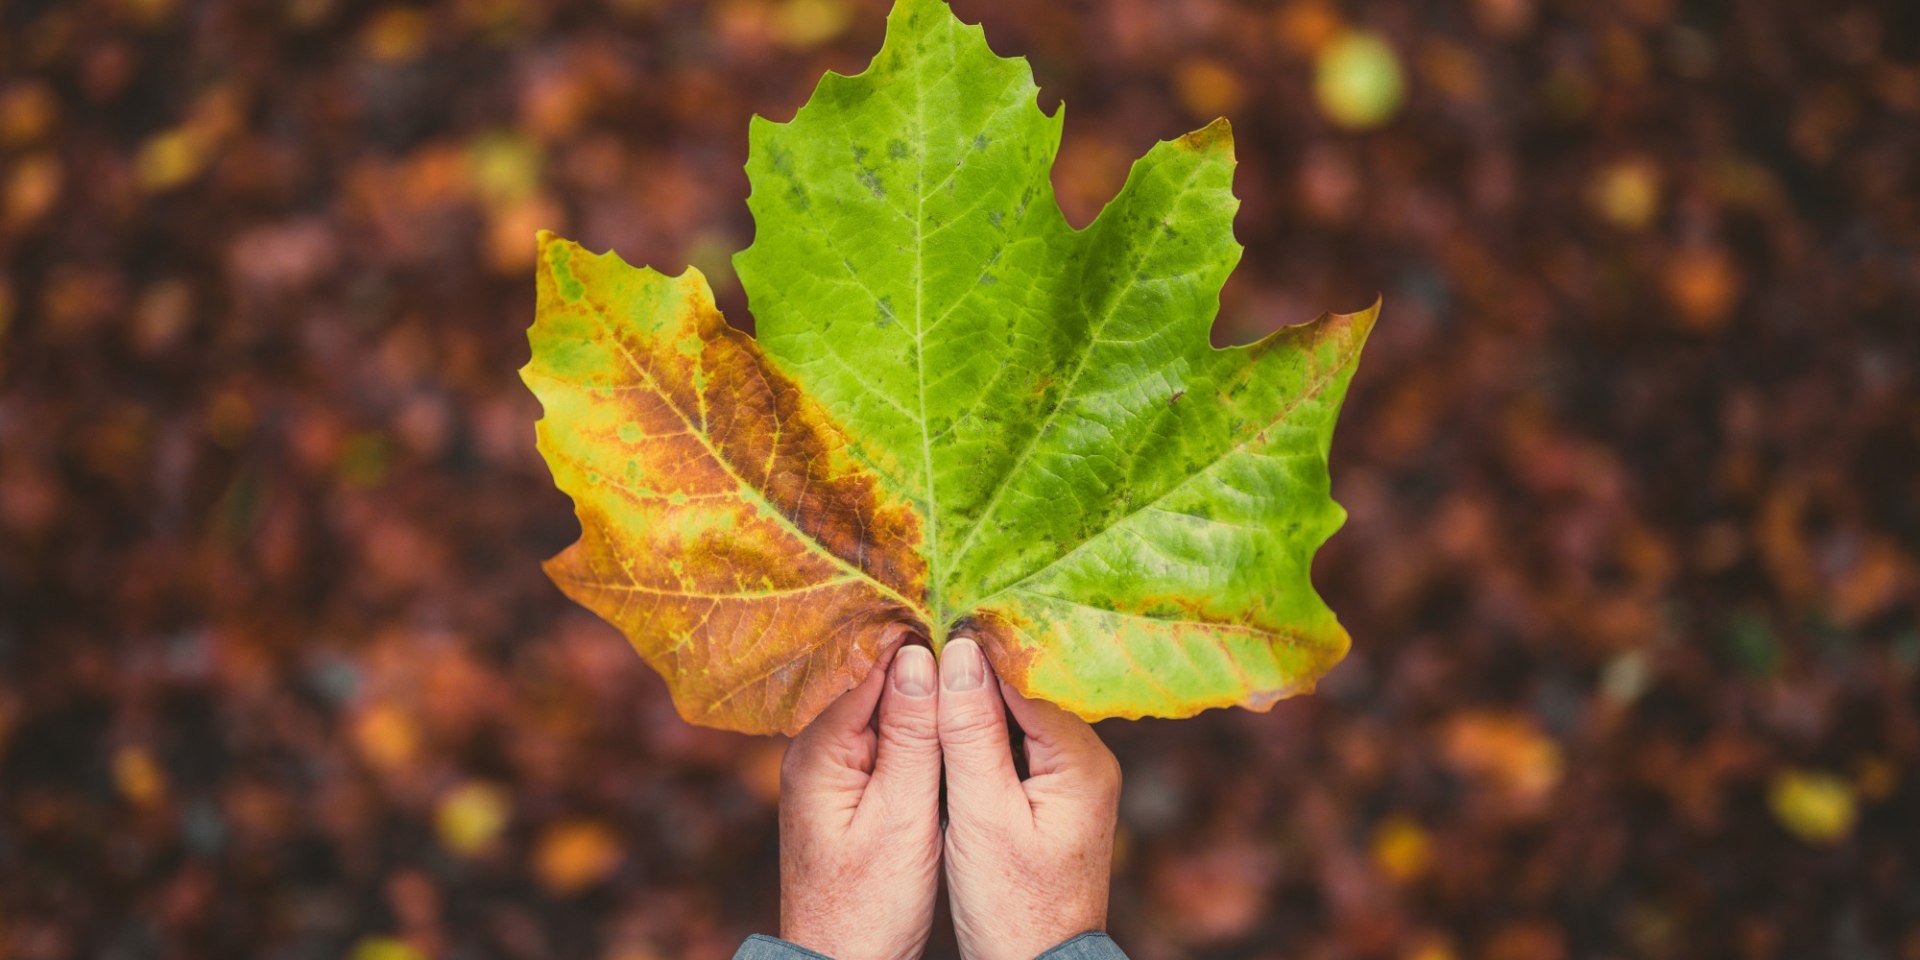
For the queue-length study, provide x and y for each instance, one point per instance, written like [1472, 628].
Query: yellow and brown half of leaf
[959, 413]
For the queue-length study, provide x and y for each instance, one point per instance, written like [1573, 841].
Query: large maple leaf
[960, 412]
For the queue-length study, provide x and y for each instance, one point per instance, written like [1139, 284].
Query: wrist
[1021, 938]
[843, 944]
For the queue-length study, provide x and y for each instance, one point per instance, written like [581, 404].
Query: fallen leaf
[1402, 849]
[575, 855]
[1815, 806]
[1209, 88]
[396, 35]
[387, 736]
[1306, 26]
[385, 948]
[1506, 752]
[1627, 193]
[470, 817]
[31, 191]
[808, 23]
[172, 158]
[1703, 285]
[1358, 81]
[1435, 948]
[137, 776]
[27, 112]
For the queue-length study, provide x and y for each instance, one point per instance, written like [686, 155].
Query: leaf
[470, 817]
[960, 411]
[1817, 807]
[573, 855]
[1357, 80]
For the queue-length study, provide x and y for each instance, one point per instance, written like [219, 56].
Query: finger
[842, 734]
[906, 774]
[1061, 745]
[973, 736]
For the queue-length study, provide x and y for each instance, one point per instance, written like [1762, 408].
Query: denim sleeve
[762, 947]
[1092, 945]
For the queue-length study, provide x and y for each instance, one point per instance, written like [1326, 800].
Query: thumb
[1063, 751]
[906, 772]
[973, 735]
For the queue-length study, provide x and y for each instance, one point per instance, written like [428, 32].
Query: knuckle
[910, 726]
[793, 765]
[1097, 770]
[968, 725]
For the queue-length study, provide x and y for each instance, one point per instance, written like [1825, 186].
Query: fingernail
[961, 667]
[913, 671]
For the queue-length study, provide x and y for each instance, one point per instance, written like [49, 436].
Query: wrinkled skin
[860, 818]
[1027, 862]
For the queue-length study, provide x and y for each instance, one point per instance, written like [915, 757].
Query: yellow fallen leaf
[1815, 806]
[170, 159]
[808, 23]
[1357, 79]
[1627, 193]
[504, 167]
[470, 817]
[385, 948]
[1402, 849]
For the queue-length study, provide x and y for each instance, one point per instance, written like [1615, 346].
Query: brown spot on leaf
[998, 635]
[725, 529]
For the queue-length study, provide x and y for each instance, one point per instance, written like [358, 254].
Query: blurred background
[1633, 463]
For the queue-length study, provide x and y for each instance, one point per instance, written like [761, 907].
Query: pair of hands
[861, 845]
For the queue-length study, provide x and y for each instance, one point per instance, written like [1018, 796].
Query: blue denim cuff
[1092, 945]
[762, 947]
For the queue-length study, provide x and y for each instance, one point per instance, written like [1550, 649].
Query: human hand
[1027, 862]
[859, 817]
